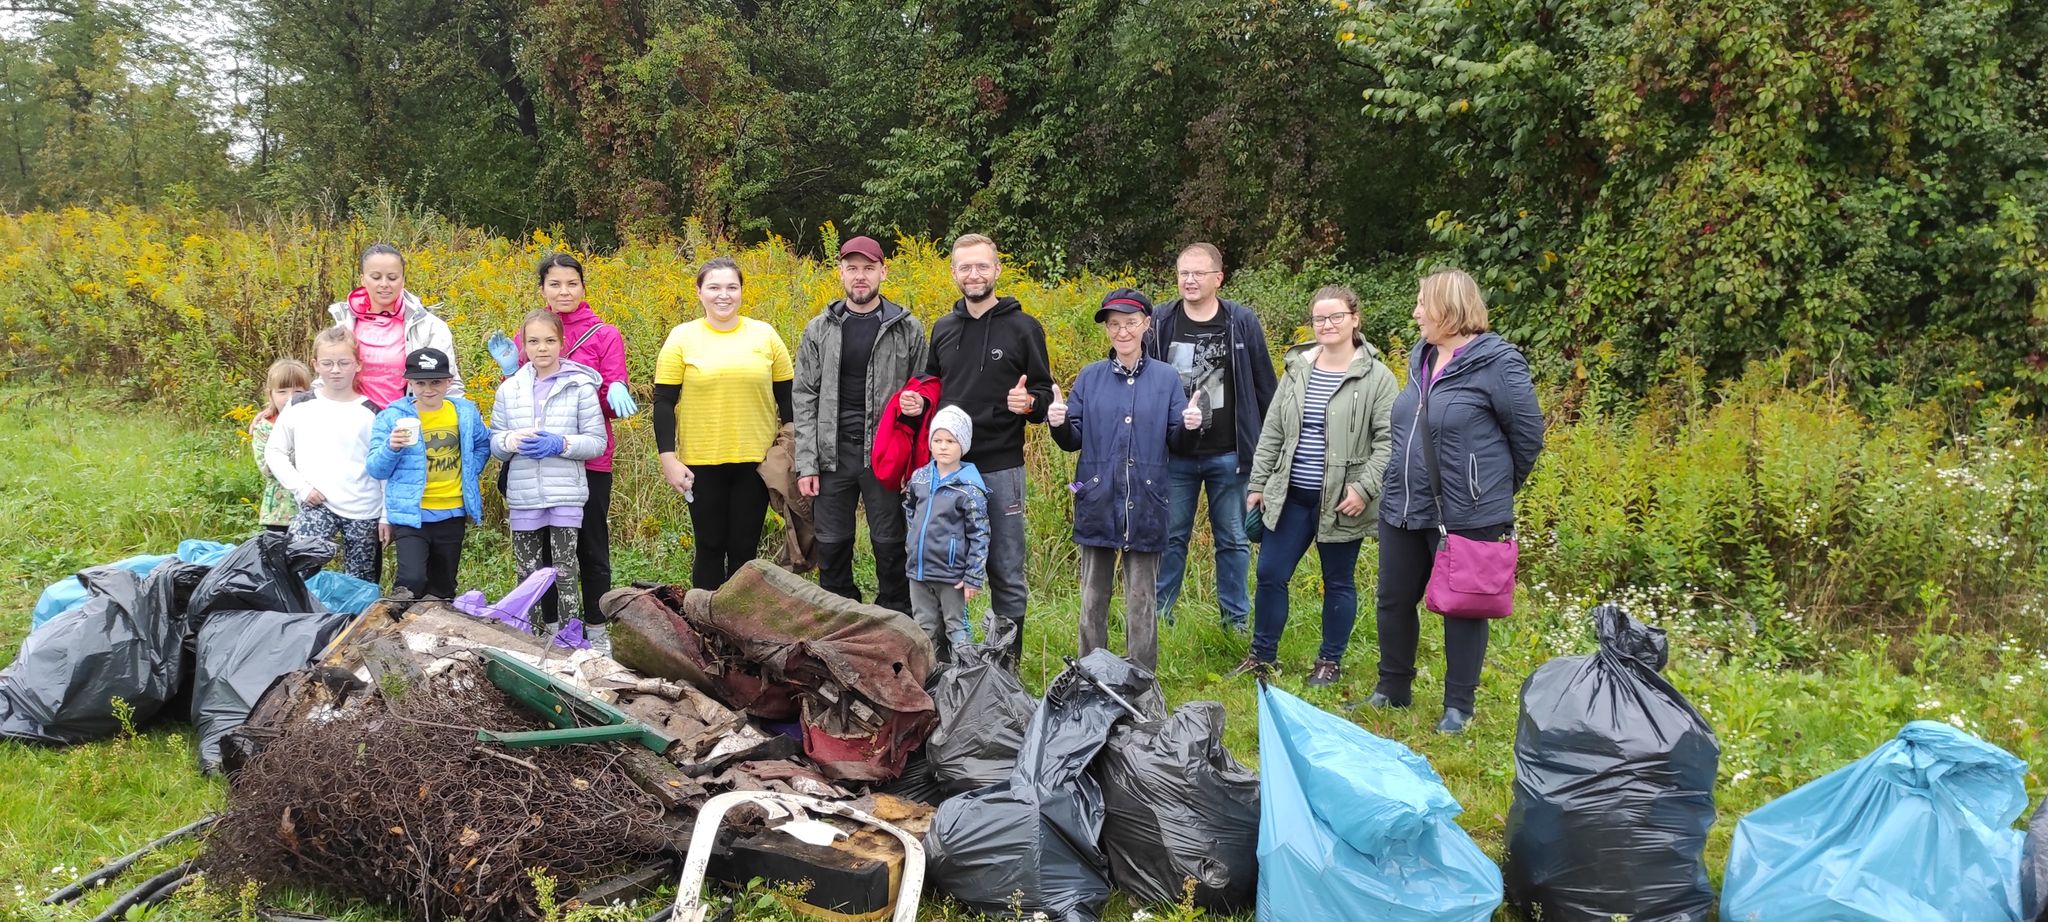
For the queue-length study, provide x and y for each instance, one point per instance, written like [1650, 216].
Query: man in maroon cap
[855, 355]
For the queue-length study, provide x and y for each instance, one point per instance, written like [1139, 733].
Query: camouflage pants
[551, 546]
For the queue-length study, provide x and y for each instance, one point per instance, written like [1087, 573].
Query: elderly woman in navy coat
[1126, 411]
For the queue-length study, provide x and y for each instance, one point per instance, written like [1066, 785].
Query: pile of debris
[432, 755]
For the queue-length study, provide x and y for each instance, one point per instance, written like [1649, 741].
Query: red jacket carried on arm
[902, 444]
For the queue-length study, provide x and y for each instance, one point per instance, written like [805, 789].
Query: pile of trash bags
[1614, 786]
[216, 633]
[1921, 828]
[338, 591]
[1354, 826]
[1104, 791]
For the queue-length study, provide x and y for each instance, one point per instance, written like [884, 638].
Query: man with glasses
[1219, 348]
[990, 359]
[853, 355]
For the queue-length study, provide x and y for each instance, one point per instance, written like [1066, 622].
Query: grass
[93, 478]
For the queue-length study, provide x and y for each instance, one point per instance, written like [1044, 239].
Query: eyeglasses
[334, 364]
[1327, 320]
[975, 268]
[1125, 326]
[1195, 275]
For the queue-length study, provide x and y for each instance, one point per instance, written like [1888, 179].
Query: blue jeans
[1189, 474]
[1281, 552]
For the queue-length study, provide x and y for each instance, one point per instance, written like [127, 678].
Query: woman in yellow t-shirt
[737, 374]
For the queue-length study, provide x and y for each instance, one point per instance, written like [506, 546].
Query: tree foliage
[1657, 185]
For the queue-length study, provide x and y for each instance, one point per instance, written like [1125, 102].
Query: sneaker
[1454, 721]
[1255, 667]
[1324, 673]
[1380, 700]
[600, 638]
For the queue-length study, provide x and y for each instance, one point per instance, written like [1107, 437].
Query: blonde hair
[1452, 297]
[976, 240]
[283, 373]
[541, 316]
[336, 335]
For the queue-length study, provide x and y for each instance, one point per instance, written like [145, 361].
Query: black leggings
[1406, 557]
[730, 505]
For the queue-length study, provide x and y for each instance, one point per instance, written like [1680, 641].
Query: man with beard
[854, 355]
[990, 359]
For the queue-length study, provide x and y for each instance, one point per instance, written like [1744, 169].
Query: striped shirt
[1306, 470]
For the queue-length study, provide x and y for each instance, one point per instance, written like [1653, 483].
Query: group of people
[925, 434]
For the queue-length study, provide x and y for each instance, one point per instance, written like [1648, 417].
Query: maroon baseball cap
[861, 246]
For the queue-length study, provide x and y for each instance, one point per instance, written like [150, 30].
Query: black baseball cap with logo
[428, 364]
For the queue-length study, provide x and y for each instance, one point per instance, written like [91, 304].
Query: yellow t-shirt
[727, 415]
[442, 435]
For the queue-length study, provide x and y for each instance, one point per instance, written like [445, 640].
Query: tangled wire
[399, 803]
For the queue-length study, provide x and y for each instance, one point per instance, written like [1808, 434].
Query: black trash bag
[915, 783]
[1614, 786]
[1180, 809]
[240, 654]
[1035, 833]
[983, 710]
[2034, 868]
[265, 573]
[123, 642]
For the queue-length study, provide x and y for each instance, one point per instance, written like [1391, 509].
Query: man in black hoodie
[990, 359]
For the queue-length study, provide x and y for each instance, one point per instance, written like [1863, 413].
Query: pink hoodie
[605, 351]
[380, 347]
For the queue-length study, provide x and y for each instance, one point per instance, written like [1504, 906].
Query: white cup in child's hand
[404, 433]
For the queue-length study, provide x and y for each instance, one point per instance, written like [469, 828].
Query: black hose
[119, 907]
[114, 868]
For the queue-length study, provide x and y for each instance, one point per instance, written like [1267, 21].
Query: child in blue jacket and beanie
[947, 505]
[429, 449]
[1124, 415]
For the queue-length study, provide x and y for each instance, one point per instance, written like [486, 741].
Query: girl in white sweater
[318, 451]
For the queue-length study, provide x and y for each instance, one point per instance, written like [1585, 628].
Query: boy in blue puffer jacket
[947, 505]
[429, 449]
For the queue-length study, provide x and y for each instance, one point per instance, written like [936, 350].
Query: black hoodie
[977, 362]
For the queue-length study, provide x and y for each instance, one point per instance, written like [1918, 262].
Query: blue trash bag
[68, 593]
[203, 552]
[1352, 826]
[1919, 829]
[343, 593]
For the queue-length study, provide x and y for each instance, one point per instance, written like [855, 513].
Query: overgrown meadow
[1830, 565]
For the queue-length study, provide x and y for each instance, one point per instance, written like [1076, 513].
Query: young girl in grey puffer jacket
[547, 421]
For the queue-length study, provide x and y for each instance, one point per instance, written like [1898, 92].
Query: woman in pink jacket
[588, 340]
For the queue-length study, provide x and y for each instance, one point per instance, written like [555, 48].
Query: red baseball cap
[861, 246]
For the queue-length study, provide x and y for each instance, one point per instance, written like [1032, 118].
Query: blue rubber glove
[542, 445]
[620, 400]
[500, 348]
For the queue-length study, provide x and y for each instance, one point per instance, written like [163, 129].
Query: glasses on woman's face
[1125, 326]
[1321, 321]
[335, 364]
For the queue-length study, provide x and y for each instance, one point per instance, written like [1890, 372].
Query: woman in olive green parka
[1316, 477]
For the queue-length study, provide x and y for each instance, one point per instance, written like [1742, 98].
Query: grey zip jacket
[899, 353]
[572, 411]
[1488, 431]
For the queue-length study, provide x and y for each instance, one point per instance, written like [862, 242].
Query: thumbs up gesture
[1056, 412]
[1020, 399]
[1191, 418]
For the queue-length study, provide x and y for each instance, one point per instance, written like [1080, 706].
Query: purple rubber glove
[516, 605]
[571, 636]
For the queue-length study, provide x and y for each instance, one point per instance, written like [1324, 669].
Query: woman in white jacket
[548, 420]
